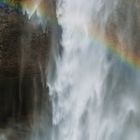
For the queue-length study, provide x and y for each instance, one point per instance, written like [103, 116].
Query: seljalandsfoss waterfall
[70, 70]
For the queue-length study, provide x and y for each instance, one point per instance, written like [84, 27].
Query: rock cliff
[24, 55]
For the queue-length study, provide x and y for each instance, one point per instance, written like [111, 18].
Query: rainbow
[8, 3]
[40, 6]
[30, 6]
[117, 48]
[120, 49]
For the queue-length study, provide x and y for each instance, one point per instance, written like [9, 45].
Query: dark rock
[24, 52]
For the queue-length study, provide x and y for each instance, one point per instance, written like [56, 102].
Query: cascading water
[95, 95]
[93, 83]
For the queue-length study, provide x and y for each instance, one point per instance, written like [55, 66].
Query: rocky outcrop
[24, 52]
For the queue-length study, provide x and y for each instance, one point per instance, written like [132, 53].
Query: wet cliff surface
[24, 55]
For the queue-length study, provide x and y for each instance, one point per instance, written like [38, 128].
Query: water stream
[95, 94]
[90, 90]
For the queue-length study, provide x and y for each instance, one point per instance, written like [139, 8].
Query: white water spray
[95, 96]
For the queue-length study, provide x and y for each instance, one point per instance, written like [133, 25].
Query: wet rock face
[24, 51]
[10, 33]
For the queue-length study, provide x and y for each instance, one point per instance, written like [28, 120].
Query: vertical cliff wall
[24, 54]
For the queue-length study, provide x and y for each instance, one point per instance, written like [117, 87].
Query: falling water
[95, 94]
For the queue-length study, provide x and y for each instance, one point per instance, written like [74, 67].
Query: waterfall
[95, 94]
